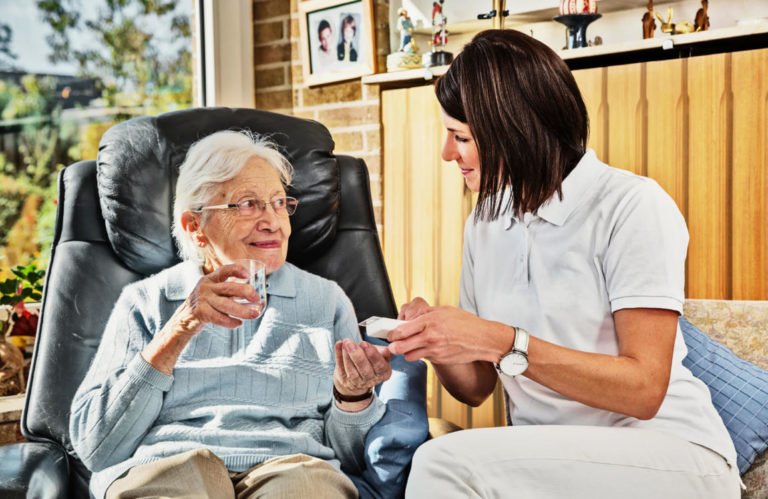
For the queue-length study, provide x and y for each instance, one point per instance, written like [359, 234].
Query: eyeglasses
[250, 207]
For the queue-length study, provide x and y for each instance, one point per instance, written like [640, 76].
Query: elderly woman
[184, 399]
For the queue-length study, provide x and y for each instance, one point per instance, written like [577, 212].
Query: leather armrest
[32, 469]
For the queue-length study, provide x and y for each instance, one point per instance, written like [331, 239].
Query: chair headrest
[138, 164]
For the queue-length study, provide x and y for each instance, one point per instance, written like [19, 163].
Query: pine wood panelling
[749, 273]
[709, 177]
[626, 133]
[667, 147]
[395, 189]
[593, 86]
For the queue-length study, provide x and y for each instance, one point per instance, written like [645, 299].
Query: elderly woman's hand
[359, 368]
[213, 300]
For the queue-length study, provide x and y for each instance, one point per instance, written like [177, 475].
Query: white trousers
[574, 462]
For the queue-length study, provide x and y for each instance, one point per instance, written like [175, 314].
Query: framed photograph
[337, 40]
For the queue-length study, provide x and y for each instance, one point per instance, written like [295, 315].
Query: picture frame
[337, 40]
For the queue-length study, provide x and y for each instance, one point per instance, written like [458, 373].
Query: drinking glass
[257, 278]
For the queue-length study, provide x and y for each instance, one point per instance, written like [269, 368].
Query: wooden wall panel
[593, 86]
[395, 188]
[667, 146]
[627, 108]
[749, 273]
[422, 223]
[709, 177]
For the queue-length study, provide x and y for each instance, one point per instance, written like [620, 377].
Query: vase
[11, 365]
[576, 24]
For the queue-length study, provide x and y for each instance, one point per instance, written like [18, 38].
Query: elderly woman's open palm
[360, 367]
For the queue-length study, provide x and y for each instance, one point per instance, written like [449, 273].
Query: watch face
[513, 364]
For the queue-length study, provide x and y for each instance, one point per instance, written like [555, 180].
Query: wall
[697, 126]
[349, 109]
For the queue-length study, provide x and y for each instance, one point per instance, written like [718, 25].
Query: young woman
[345, 50]
[572, 283]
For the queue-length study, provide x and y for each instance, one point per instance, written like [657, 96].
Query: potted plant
[18, 323]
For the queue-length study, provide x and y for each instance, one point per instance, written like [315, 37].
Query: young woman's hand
[449, 335]
[416, 307]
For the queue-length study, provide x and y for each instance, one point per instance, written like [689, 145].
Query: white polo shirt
[616, 240]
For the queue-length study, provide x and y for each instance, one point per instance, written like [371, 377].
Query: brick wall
[349, 109]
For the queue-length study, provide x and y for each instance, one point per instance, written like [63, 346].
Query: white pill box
[378, 327]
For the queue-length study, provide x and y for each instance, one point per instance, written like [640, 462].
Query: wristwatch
[516, 361]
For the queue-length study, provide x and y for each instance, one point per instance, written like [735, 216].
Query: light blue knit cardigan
[248, 394]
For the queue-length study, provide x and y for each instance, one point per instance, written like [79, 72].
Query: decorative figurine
[405, 27]
[438, 56]
[407, 56]
[576, 15]
[649, 23]
[701, 23]
[674, 28]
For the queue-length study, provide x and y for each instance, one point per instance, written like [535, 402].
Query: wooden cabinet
[698, 126]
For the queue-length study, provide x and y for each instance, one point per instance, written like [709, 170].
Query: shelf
[405, 75]
[546, 10]
[471, 26]
[666, 42]
[582, 55]
[11, 406]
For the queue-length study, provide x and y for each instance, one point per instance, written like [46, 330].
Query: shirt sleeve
[122, 394]
[644, 263]
[467, 286]
[345, 432]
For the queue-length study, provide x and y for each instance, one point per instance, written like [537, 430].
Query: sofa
[742, 326]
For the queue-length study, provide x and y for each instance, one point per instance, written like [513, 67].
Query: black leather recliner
[113, 228]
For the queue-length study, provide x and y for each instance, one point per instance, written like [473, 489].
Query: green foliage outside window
[136, 74]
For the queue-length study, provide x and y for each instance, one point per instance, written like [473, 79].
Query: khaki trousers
[573, 462]
[200, 474]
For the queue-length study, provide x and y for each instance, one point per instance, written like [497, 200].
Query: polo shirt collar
[183, 278]
[581, 180]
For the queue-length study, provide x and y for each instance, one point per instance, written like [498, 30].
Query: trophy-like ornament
[438, 56]
[576, 15]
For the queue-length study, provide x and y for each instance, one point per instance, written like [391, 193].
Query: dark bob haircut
[525, 112]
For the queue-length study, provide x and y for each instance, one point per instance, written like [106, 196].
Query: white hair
[214, 160]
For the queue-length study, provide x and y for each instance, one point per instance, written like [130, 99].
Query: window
[70, 69]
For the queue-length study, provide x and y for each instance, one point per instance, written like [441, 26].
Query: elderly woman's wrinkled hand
[360, 367]
[213, 302]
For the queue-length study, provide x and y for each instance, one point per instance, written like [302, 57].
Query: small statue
[407, 55]
[674, 28]
[701, 23]
[405, 27]
[649, 23]
[439, 36]
[438, 56]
